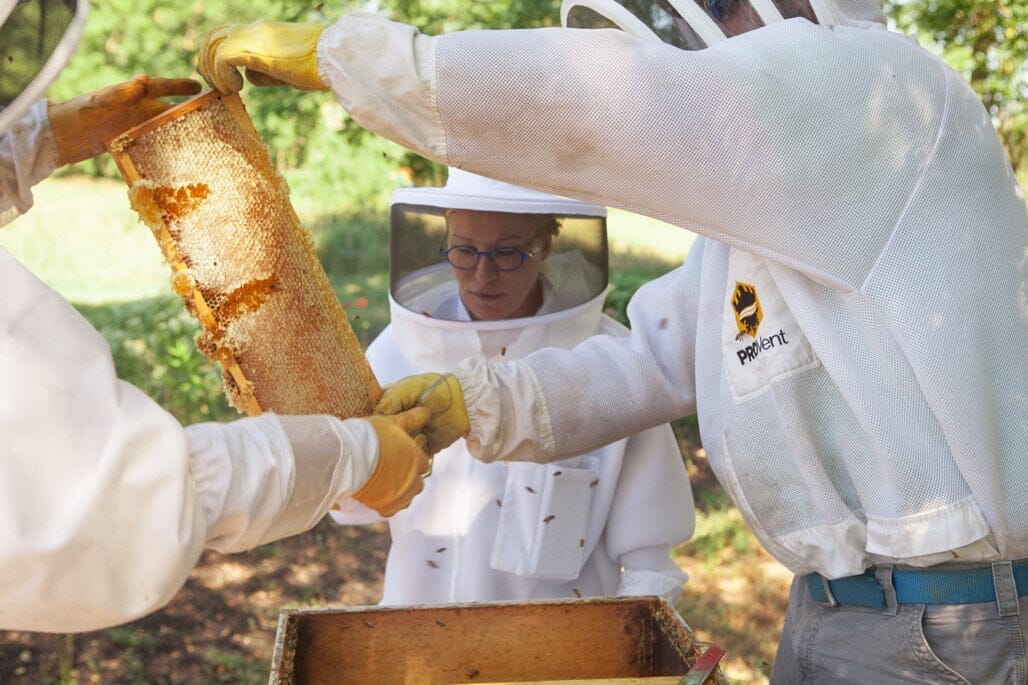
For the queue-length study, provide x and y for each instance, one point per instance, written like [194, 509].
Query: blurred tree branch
[986, 41]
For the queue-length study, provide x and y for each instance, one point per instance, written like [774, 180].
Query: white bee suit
[516, 531]
[106, 501]
[875, 408]
[507, 531]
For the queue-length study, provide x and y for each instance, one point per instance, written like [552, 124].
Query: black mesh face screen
[28, 37]
[663, 18]
[658, 15]
[417, 265]
[731, 16]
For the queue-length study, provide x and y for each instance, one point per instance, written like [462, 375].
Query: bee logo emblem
[748, 313]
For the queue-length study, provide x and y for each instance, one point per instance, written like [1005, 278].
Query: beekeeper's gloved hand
[272, 53]
[83, 126]
[439, 393]
[262, 478]
[402, 462]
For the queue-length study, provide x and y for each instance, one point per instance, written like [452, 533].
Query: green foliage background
[985, 40]
[308, 132]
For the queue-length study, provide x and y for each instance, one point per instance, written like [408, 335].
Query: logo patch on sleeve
[760, 340]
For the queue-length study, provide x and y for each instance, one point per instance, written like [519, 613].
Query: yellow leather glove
[83, 126]
[402, 462]
[439, 393]
[272, 53]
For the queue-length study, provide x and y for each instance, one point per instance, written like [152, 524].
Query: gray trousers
[981, 643]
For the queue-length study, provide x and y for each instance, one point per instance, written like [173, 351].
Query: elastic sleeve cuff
[468, 373]
[358, 53]
[651, 571]
[357, 437]
[28, 154]
[506, 411]
[210, 468]
[646, 583]
[243, 472]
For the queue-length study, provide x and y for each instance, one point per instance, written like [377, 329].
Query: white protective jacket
[873, 406]
[516, 531]
[106, 501]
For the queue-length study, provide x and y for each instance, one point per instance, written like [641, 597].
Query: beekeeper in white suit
[850, 327]
[481, 268]
[106, 502]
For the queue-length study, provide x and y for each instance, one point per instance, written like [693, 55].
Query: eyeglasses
[465, 257]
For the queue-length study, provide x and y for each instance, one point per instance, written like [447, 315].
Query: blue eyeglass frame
[525, 256]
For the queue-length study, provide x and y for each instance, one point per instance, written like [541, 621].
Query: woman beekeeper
[106, 502]
[486, 269]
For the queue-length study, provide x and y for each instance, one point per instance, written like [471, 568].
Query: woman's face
[488, 293]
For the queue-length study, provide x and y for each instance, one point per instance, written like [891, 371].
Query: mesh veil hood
[36, 41]
[433, 328]
[696, 24]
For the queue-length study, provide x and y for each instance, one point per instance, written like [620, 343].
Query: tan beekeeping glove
[402, 462]
[272, 53]
[83, 126]
[439, 393]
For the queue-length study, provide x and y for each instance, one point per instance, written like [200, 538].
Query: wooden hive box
[639, 640]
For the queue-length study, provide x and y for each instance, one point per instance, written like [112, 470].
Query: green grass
[82, 238]
[84, 241]
[229, 667]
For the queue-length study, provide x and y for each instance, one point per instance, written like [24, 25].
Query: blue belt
[916, 586]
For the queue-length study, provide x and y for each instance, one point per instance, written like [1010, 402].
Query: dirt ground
[221, 627]
[737, 593]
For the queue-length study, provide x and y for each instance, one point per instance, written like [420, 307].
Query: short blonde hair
[547, 226]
